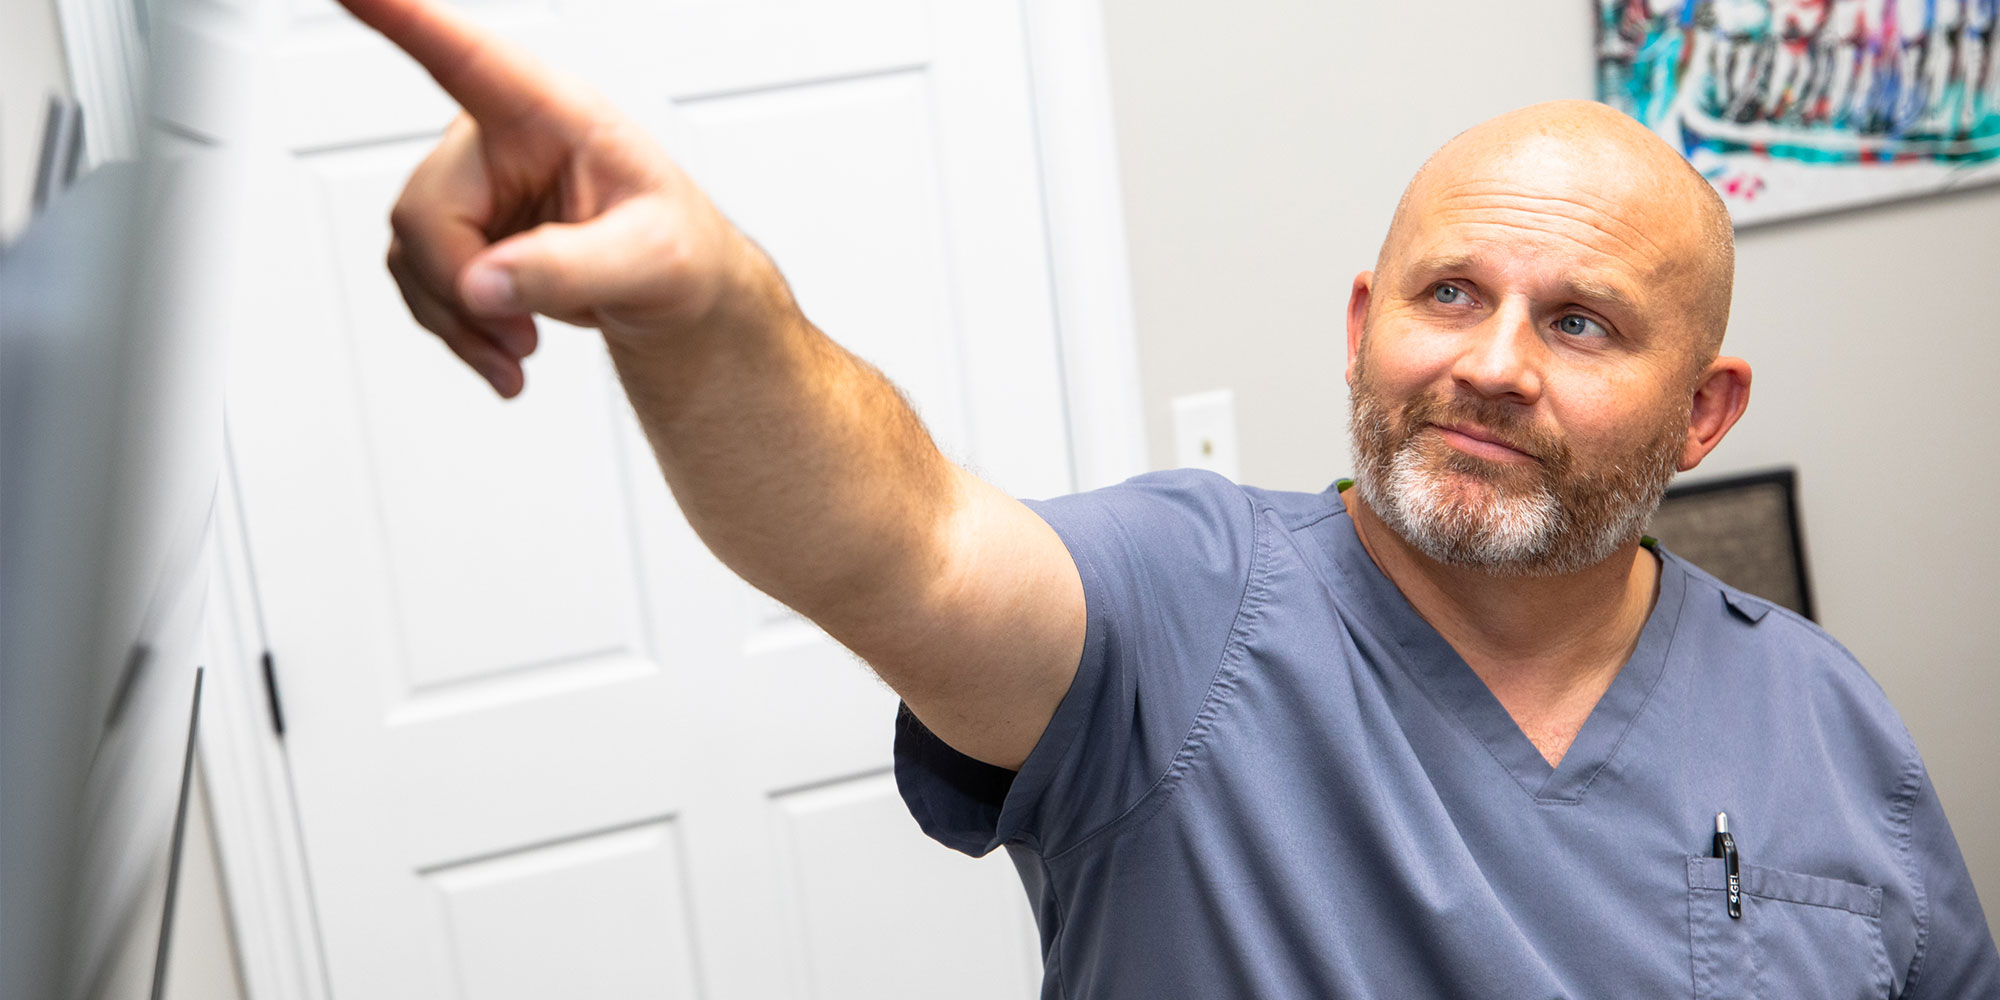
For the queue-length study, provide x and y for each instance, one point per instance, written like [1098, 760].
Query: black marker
[1725, 848]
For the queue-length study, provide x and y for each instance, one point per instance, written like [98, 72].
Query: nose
[1501, 357]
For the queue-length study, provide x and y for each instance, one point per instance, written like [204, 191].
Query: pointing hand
[542, 198]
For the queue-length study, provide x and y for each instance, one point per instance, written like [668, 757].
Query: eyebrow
[1580, 287]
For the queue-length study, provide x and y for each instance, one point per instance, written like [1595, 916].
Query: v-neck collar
[1426, 656]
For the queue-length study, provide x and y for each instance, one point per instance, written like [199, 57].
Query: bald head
[1634, 195]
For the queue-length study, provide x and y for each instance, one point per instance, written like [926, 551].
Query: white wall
[1263, 151]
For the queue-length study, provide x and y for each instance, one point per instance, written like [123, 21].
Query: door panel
[868, 206]
[545, 468]
[625, 884]
[542, 742]
[860, 866]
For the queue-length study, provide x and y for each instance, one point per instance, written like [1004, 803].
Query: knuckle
[668, 244]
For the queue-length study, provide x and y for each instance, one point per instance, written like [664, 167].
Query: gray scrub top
[1271, 778]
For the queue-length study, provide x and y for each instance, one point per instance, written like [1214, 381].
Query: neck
[1547, 647]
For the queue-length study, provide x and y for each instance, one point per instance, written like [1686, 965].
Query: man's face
[1521, 379]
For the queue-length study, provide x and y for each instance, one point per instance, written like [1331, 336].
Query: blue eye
[1448, 294]
[1581, 326]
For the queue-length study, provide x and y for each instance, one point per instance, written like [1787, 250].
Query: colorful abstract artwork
[1797, 106]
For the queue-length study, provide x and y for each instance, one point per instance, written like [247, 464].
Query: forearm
[799, 465]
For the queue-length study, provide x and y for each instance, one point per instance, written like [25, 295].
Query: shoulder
[1297, 511]
[1181, 516]
[1185, 485]
[1194, 490]
[1179, 536]
[1165, 536]
[1754, 623]
[1182, 500]
[1798, 673]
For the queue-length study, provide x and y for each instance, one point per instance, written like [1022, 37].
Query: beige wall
[203, 965]
[1263, 148]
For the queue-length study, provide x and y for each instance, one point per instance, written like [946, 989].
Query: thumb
[561, 269]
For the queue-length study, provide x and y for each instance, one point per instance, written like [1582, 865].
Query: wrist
[744, 307]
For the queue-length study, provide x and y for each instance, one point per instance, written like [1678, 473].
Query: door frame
[105, 45]
[1084, 214]
[242, 754]
[259, 842]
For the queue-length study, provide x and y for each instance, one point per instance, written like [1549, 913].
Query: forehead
[1602, 219]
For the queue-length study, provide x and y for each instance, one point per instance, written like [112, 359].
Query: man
[1455, 731]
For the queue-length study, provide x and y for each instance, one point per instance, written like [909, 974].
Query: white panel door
[542, 743]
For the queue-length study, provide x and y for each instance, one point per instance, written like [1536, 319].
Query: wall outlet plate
[1205, 432]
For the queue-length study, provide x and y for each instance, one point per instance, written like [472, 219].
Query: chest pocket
[1799, 936]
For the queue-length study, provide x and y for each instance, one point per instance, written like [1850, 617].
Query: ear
[1357, 317]
[1720, 397]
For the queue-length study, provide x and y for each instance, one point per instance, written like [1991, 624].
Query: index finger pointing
[488, 76]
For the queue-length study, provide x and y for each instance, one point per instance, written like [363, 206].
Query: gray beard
[1454, 510]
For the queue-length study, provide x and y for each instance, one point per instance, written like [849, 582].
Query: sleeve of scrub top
[1957, 957]
[1165, 559]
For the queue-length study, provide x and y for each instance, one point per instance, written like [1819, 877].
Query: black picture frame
[1744, 529]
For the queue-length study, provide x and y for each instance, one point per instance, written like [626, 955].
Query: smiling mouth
[1483, 443]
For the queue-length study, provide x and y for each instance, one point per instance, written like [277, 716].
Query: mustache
[1497, 421]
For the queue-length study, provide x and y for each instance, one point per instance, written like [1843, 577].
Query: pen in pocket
[1725, 848]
